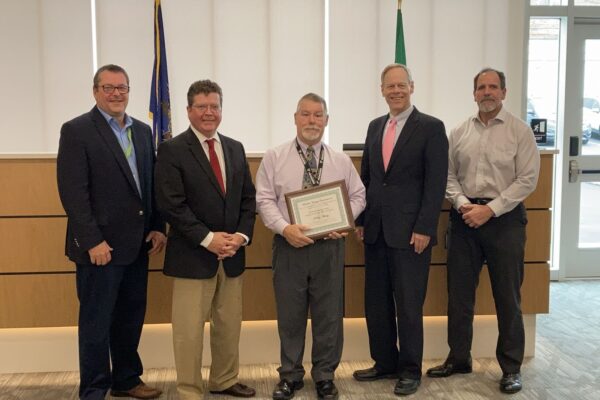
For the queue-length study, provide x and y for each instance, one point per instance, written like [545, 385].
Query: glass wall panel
[590, 115]
[542, 85]
[550, 2]
[587, 3]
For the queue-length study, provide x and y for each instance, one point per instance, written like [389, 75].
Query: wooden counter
[37, 282]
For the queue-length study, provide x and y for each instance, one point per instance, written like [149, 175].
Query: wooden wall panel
[258, 254]
[535, 291]
[354, 292]
[542, 195]
[539, 227]
[30, 301]
[38, 245]
[44, 300]
[33, 245]
[29, 187]
[160, 295]
[258, 295]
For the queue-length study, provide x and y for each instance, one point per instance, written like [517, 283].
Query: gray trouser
[310, 277]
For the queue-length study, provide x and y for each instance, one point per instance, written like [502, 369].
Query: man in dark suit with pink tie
[404, 169]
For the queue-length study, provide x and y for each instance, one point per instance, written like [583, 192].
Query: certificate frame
[324, 208]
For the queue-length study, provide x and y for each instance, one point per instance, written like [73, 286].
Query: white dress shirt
[219, 151]
[499, 161]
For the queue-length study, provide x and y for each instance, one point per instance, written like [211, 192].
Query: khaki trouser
[195, 301]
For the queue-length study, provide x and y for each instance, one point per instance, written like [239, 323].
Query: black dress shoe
[327, 390]
[285, 389]
[511, 383]
[372, 374]
[448, 368]
[406, 386]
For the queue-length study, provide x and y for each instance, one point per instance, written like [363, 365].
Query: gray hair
[392, 66]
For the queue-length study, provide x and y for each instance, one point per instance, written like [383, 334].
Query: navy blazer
[98, 191]
[191, 201]
[408, 196]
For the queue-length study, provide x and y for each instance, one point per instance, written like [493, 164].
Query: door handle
[575, 171]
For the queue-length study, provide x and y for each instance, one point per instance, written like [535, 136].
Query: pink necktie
[388, 142]
[214, 163]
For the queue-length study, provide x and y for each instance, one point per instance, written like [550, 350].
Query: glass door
[580, 197]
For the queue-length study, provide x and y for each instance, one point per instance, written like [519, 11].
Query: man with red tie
[404, 169]
[205, 192]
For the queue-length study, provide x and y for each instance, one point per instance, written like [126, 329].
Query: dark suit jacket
[408, 196]
[193, 204]
[98, 191]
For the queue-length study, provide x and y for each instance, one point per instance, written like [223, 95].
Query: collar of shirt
[114, 124]
[403, 116]
[304, 146]
[498, 119]
[203, 138]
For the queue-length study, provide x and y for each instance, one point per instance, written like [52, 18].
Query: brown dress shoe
[141, 391]
[237, 390]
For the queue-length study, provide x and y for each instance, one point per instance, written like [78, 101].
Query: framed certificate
[324, 208]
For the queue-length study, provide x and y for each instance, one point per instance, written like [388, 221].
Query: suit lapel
[200, 156]
[140, 154]
[228, 155]
[407, 132]
[112, 143]
[377, 146]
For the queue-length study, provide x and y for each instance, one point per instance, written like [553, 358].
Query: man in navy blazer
[105, 168]
[404, 169]
[206, 194]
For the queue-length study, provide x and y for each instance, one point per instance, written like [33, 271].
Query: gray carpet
[566, 366]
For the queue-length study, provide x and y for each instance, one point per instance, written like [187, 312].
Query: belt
[479, 200]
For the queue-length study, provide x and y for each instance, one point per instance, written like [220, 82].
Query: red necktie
[388, 142]
[214, 163]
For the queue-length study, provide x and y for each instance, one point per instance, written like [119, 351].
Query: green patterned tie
[129, 147]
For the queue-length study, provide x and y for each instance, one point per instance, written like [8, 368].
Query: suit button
[384, 184]
[141, 213]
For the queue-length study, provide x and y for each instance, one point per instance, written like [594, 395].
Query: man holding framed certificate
[324, 194]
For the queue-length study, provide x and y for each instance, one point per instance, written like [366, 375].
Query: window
[543, 69]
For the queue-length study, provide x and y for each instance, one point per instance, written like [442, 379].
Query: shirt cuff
[280, 226]
[461, 201]
[246, 238]
[206, 242]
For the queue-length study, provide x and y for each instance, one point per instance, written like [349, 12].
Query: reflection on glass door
[580, 197]
[589, 215]
[590, 110]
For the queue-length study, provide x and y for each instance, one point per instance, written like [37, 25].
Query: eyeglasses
[109, 89]
[203, 107]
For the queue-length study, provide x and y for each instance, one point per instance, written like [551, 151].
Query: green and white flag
[400, 48]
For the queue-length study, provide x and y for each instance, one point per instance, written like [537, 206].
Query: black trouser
[309, 278]
[501, 244]
[395, 288]
[112, 305]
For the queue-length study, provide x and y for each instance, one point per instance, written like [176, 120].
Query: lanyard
[315, 177]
